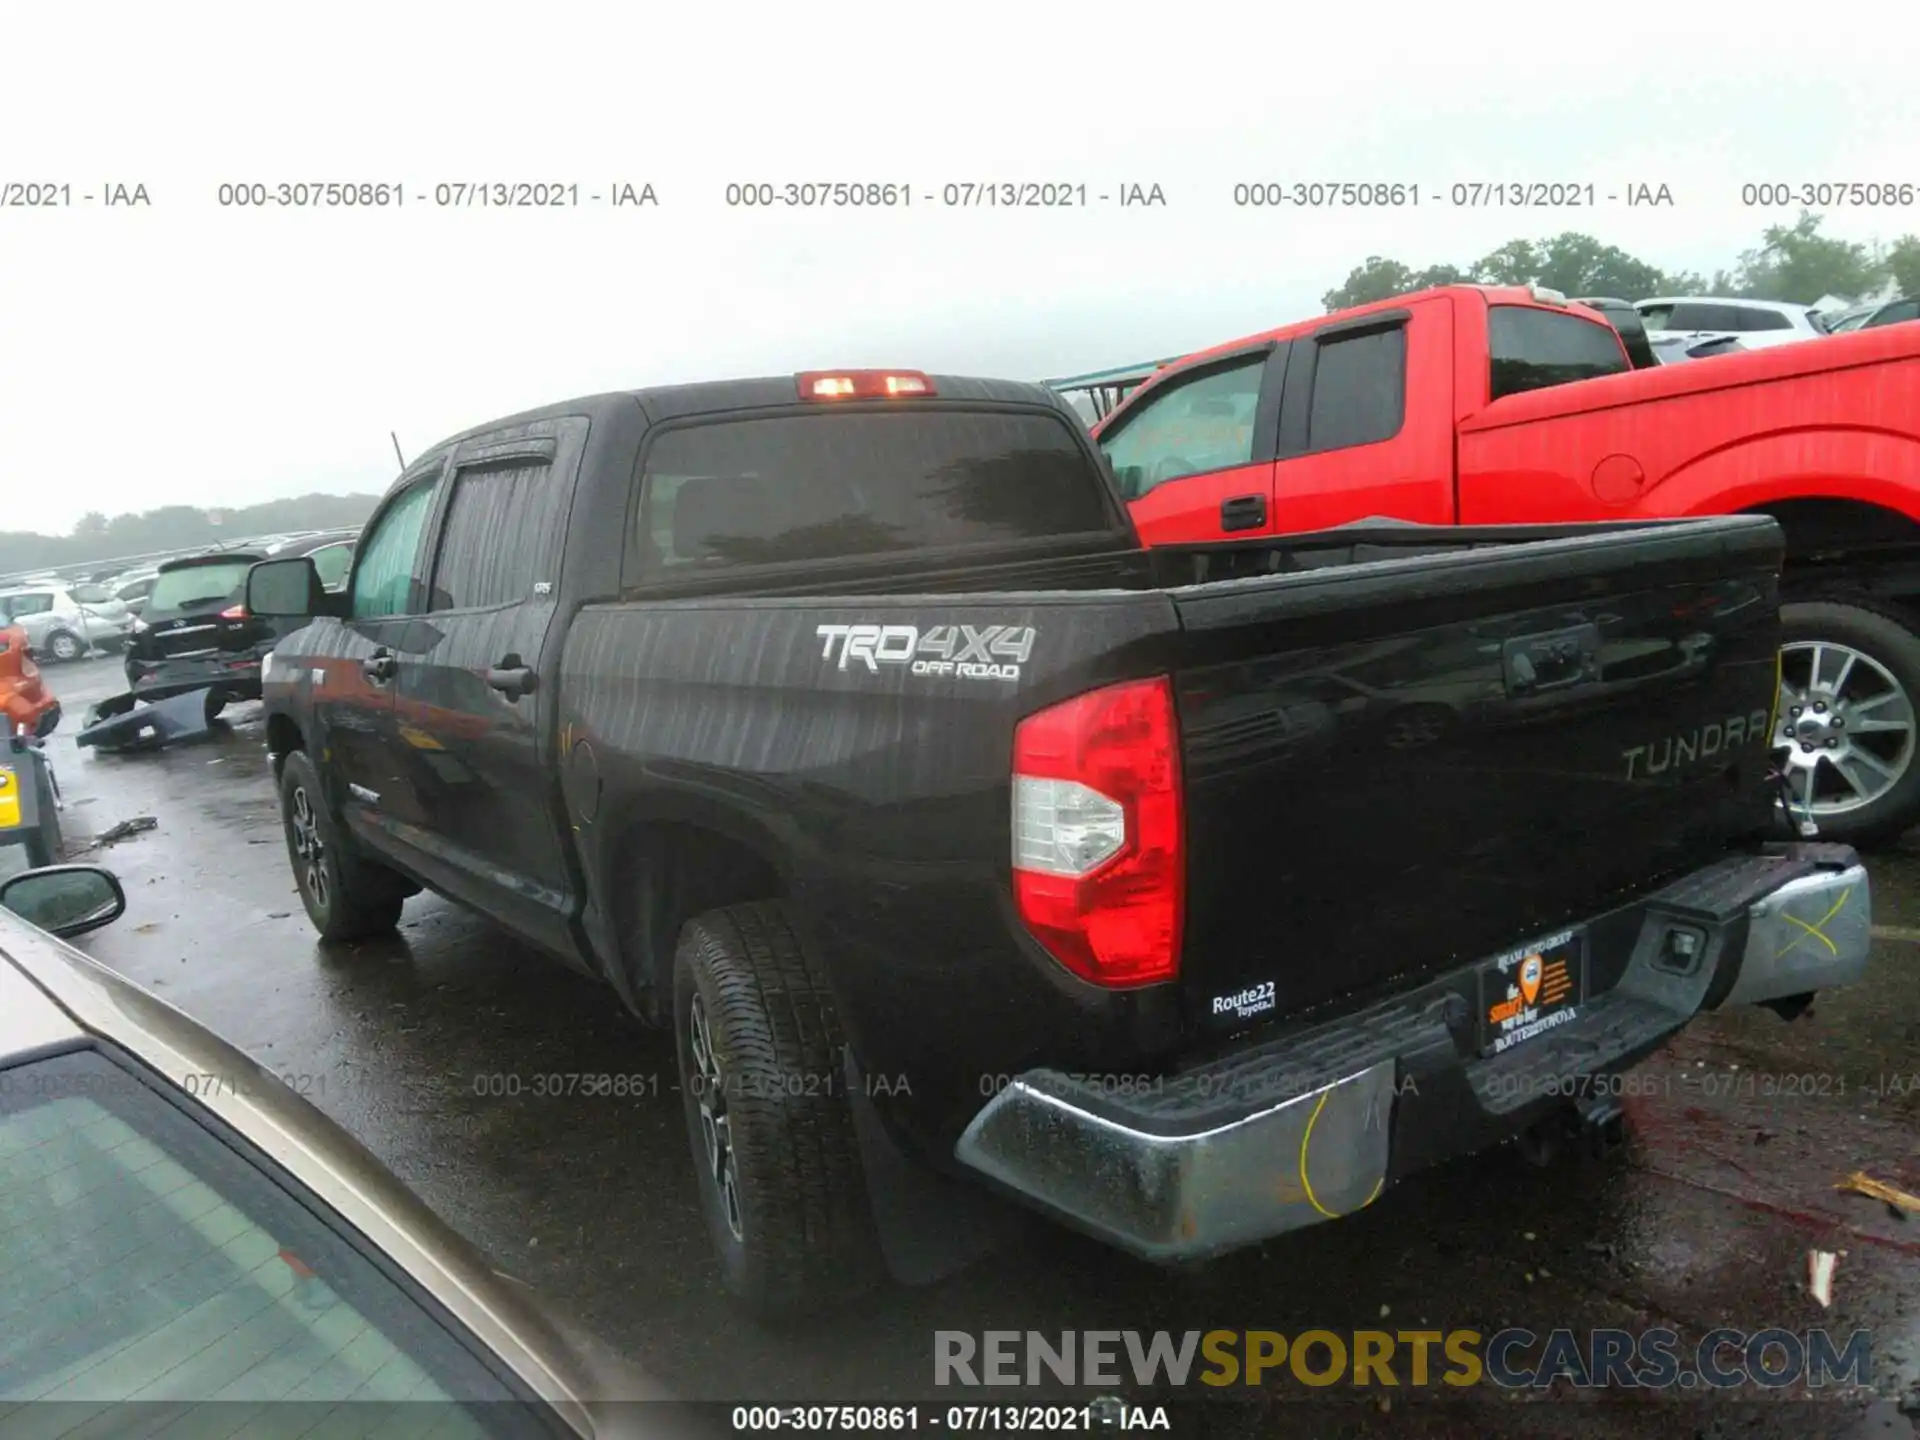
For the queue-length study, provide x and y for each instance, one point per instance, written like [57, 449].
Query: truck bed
[1401, 748]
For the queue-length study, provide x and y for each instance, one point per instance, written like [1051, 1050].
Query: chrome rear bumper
[1292, 1132]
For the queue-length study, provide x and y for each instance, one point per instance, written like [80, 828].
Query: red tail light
[862, 384]
[1099, 862]
[234, 612]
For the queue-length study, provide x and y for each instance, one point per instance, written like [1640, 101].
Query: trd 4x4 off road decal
[969, 652]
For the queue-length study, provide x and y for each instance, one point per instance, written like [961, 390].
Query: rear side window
[1187, 428]
[1359, 390]
[830, 486]
[486, 545]
[33, 603]
[1534, 349]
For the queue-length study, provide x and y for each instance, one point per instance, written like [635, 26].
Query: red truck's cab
[1481, 405]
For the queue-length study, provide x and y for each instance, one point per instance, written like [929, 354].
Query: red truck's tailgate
[1400, 765]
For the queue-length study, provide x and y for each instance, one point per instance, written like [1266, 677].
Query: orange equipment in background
[24, 697]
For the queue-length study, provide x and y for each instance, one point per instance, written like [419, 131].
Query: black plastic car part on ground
[841, 723]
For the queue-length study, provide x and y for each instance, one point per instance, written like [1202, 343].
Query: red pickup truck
[1482, 405]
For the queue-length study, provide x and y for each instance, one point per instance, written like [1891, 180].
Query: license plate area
[1532, 990]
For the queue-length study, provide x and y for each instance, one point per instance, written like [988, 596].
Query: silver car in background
[187, 1241]
[62, 626]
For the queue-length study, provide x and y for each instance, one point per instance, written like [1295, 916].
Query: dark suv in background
[195, 631]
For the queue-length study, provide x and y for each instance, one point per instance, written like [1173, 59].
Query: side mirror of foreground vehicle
[285, 590]
[65, 900]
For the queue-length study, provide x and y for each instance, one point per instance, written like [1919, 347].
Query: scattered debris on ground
[1897, 1201]
[125, 830]
[130, 722]
[1820, 1265]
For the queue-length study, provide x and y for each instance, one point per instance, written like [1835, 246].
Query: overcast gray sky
[187, 353]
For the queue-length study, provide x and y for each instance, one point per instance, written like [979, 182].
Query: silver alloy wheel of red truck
[1845, 733]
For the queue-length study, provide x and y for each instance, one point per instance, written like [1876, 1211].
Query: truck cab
[1496, 405]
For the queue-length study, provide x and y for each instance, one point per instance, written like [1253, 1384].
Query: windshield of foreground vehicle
[198, 584]
[143, 1259]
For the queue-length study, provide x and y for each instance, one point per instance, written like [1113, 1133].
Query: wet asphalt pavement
[1740, 1132]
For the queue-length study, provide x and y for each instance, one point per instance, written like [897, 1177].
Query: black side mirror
[65, 900]
[285, 589]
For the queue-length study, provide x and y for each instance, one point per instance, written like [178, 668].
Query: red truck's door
[1356, 439]
[1193, 457]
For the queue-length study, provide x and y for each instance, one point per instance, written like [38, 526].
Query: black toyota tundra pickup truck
[1191, 896]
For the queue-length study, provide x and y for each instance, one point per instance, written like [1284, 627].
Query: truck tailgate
[1401, 765]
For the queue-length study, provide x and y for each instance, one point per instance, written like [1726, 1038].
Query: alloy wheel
[1844, 735]
[309, 847]
[716, 1130]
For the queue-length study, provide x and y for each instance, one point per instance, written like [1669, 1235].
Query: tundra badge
[1701, 743]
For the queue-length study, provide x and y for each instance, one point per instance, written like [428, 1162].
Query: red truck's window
[1359, 390]
[1533, 349]
[836, 485]
[1190, 427]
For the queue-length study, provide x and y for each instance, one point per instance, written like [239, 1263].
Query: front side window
[383, 580]
[1534, 349]
[143, 1258]
[1188, 428]
[488, 541]
[1895, 313]
[1756, 319]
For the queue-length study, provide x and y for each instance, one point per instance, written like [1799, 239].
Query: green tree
[1573, 264]
[1902, 261]
[176, 527]
[1375, 278]
[1796, 263]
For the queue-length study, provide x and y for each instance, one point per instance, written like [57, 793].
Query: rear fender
[1874, 467]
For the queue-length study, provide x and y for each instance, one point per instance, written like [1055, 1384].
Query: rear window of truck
[791, 488]
[1534, 349]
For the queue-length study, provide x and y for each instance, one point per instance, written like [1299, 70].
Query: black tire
[347, 897]
[799, 1236]
[1887, 655]
[65, 646]
[216, 702]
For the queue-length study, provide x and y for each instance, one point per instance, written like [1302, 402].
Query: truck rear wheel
[1846, 731]
[347, 897]
[767, 1112]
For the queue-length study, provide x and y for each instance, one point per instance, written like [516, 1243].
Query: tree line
[97, 536]
[1793, 263]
